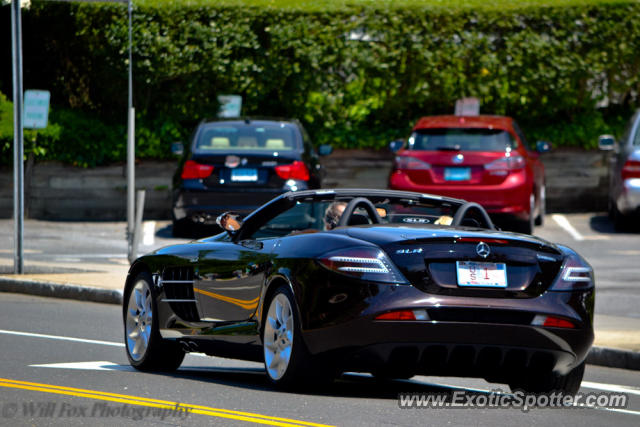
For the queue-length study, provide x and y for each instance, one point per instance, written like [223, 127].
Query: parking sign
[36, 109]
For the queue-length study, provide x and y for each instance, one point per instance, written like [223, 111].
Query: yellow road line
[156, 403]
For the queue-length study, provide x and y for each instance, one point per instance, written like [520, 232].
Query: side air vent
[178, 289]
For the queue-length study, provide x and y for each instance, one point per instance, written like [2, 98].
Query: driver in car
[332, 214]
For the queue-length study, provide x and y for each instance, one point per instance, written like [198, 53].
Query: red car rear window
[461, 139]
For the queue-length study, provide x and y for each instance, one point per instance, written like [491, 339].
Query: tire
[621, 222]
[146, 350]
[550, 382]
[180, 228]
[286, 359]
[526, 227]
[543, 207]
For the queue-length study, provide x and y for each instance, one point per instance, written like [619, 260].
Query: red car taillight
[419, 314]
[296, 170]
[631, 169]
[552, 322]
[195, 170]
[406, 162]
[364, 263]
[506, 164]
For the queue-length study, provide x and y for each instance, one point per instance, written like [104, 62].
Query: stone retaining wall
[576, 181]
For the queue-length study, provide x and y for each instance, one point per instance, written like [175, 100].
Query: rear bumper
[203, 207]
[510, 197]
[451, 348]
[469, 346]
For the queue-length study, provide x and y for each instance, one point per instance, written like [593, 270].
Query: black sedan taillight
[195, 170]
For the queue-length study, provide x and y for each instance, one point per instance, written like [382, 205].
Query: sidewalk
[617, 340]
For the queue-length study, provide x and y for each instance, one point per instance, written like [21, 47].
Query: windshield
[225, 137]
[321, 215]
[461, 139]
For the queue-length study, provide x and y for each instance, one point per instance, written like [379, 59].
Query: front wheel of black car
[550, 382]
[146, 349]
[286, 358]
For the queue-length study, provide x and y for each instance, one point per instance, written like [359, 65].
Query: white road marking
[563, 222]
[82, 340]
[148, 233]
[611, 387]
[61, 338]
[111, 255]
[90, 366]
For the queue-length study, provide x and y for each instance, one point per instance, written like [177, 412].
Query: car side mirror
[177, 149]
[325, 150]
[230, 221]
[396, 145]
[606, 142]
[543, 147]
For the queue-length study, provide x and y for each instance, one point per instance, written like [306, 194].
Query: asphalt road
[63, 364]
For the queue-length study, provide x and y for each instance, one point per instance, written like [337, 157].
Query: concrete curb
[602, 356]
[57, 290]
[614, 358]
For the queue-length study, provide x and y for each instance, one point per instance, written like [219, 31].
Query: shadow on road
[601, 223]
[348, 385]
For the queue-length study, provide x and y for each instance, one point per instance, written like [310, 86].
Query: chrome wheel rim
[278, 337]
[139, 320]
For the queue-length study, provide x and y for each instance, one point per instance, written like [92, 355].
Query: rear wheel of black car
[551, 382]
[146, 349]
[286, 358]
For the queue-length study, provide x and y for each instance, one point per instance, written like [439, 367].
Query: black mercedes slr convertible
[316, 283]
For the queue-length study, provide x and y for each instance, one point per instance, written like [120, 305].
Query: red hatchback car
[482, 159]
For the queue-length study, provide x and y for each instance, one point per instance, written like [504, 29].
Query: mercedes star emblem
[483, 249]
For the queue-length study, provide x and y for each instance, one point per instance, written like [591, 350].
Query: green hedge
[357, 75]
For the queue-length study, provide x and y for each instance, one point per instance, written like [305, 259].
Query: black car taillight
[364, 263]
[631, 169]
[296, 170]
[195, 170]
[575, 274]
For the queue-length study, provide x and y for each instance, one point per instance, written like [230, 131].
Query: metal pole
[138, 230]
[18, 138]
[130, 150]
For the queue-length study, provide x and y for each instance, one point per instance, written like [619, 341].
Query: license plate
[244, 175]
[482, 274]
[457, 174]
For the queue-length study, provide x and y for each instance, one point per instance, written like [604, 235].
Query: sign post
[18, 138]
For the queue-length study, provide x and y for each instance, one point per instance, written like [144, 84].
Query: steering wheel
[472, 208]
[353, 205]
